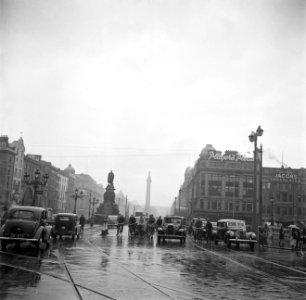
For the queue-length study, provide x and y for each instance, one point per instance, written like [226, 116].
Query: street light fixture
[253, 138]
[36, 183]
[76, 196]
[94, 202]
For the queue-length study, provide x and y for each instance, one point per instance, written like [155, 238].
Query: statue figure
[110, 177]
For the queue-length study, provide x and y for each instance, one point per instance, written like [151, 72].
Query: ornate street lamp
[253, 138]
[94, 202]
[36, 183]
[76, 195]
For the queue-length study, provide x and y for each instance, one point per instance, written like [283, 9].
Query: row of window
[283, 211]
[228, 165]
[225, 206]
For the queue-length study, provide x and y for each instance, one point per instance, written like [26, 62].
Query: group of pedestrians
[297, 236]
[143, 227]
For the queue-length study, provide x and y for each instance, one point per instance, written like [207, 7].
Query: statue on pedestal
[109, 206]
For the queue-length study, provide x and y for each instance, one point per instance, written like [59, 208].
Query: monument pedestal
[109, 207]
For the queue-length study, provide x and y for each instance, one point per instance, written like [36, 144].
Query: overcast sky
[136, 86]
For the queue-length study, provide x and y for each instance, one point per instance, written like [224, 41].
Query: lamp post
[179, 199]
[76, 196]
[94, 202]
[36, 183]
[253, 138]
[272, 211]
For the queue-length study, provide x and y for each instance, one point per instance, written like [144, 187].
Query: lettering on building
[229, 157]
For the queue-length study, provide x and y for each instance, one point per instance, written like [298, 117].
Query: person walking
[208, 228]
[82, 222]
[281, 236]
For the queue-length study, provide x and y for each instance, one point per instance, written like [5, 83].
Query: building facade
[222, 186]
[17, 191]
[7, 161]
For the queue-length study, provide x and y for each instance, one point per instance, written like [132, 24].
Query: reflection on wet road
[118, 268]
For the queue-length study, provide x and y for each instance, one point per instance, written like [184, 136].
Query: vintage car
[66, 224]
[26, 224]
[234, 231]
[173, 227]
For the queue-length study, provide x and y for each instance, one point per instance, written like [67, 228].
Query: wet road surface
[111, 267]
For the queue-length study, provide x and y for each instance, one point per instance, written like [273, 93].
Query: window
[214, 185]
[249, 207]
[232, 186]
[214, 204]
[203, 187]
[248, 186]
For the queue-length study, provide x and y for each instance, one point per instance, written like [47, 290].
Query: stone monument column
[148, 193]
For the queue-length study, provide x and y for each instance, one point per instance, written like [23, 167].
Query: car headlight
[231, 233]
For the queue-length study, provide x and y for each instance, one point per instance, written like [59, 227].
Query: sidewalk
[274, 243]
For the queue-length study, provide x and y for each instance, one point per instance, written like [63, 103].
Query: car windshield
[23, 214]
[173, 220]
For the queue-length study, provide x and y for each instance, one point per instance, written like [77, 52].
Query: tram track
[257, 271]
[153, 285]
[76, 286]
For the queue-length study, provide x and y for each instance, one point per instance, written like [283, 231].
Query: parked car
[234, 231]
[66, 224]
[173, 227]
[26, 224]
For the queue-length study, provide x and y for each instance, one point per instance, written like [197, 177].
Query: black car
[173, 227]
[66, 224]
[26, 224]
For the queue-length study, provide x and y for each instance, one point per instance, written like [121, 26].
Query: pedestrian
[281, 236]
[267, 233]
[294, 239]
[159, 221]
[208, 228]
[120, 223]
[82, 222]
[198, 229]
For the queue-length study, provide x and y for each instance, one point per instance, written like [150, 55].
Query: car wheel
[73, 236]
[37, 245]
[3, 246]
[228, 244]
[252, 246]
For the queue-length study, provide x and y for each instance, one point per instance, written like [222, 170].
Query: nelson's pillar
[148, 193]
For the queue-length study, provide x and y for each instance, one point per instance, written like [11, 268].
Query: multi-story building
[221, 186]
[7, 161]
[18, 171]
[63, 187]
[31, 165]
[92, 194]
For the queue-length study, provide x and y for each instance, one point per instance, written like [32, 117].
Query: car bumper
[11, 239]
[171, 236]
[242, 241]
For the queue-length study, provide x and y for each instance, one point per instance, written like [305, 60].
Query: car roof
[66, 214]
[29, 208]
[231, 220]
[178, 217]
